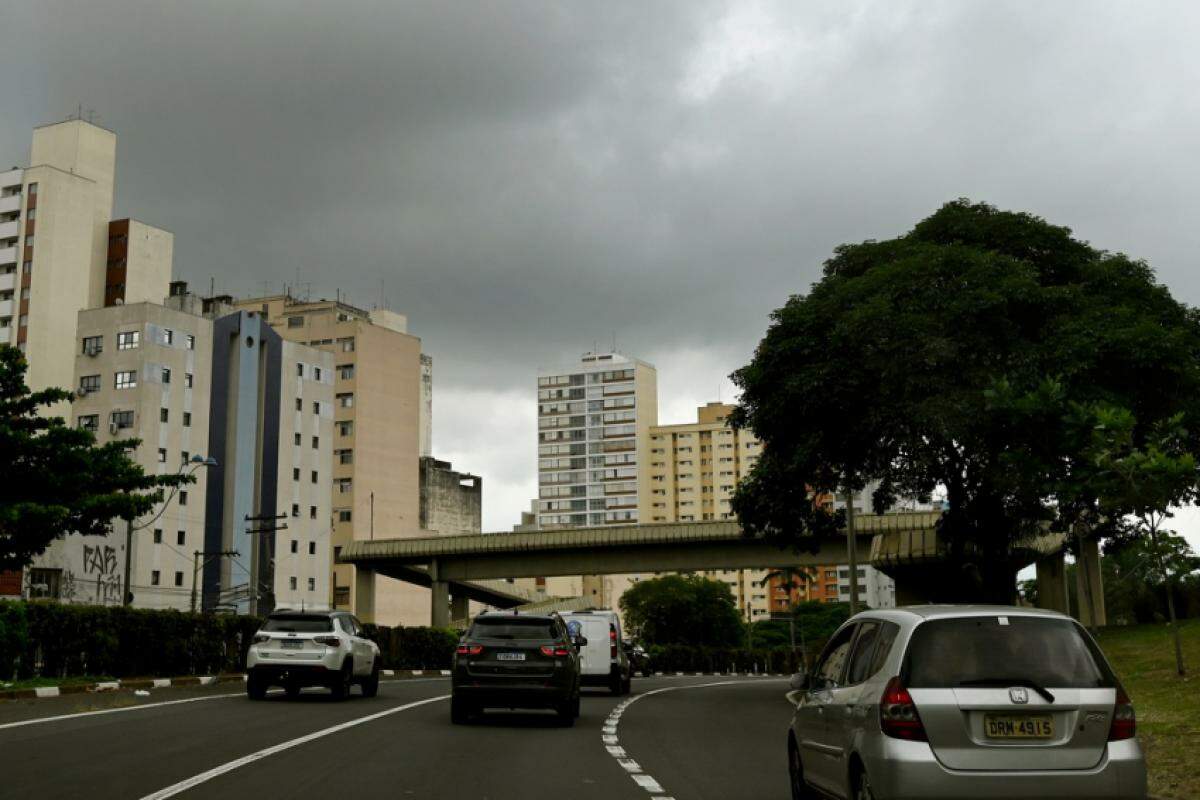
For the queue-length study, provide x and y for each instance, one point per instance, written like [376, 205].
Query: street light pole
[128, 598]
[852, 551]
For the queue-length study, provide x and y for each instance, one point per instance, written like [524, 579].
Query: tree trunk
[1175, 631]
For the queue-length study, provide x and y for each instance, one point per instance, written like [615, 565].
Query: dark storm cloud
[523, 179]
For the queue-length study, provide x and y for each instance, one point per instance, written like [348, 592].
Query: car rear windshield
[294, 623]
[514, 628]
[999, 651]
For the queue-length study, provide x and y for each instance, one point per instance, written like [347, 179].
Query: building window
[314, 476]
[23, 320]
[163, 415]
[183, 498]
[316, 442]
[346, 400]
[312, 548]
[180, 538]
[316, 373]
[295, 509]
[312, 512]
[166, 374]
[191, 342]
[187, 379]
[296, 439]
[179, 579]
[346, 428]
[128, 340]
[187, 419]
[294, 545]
[89, 383]
[162, 455]
[93, 345]
[168, 336]
[122, 419]
[312, 584]
[295, 473]
[29, 240]
[299, 404]
[90, 422]
[295, 322]
[126, 379]
[347, 344]
[344, 456]
[299, 370]
[154, 577]
[27, 267]
[345, 485]
[346, 371]
[292, 581]
[344, 515]
[158, 535]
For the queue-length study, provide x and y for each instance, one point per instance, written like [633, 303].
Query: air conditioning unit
[113, 427]
[83, 391]
[93, 351]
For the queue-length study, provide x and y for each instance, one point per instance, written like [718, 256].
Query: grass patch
[33, 683]
[1168, 707]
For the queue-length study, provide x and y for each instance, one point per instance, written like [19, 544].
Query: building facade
[451, 502]
[378, 390]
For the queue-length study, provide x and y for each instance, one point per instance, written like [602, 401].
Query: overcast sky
[524, 180]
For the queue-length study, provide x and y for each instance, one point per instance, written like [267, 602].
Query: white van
[604, 661]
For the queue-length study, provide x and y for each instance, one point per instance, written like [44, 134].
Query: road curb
[134, 684]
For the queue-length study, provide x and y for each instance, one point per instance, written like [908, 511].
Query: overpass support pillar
[364, 594]
[439, 616]
[1052, 583]
[460, 607]
[1088, 584]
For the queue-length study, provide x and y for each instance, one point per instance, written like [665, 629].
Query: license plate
[289, 644]
[1018, 726]
[510, 656]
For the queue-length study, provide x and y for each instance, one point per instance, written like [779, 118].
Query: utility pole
[196, 565]
[852, 551]
[267, 523]
[128, 596]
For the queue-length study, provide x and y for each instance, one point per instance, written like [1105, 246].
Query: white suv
[294, 649]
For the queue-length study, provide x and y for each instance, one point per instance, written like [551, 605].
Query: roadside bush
[44, 639]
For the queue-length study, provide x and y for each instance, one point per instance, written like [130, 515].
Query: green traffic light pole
[196, 462]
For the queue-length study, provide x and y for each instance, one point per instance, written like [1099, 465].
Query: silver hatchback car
[962, 702]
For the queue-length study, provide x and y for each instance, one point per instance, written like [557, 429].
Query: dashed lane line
[203, 777]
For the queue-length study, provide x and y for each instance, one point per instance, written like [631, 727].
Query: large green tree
[54, 478]
[957, 357]
[682, 609]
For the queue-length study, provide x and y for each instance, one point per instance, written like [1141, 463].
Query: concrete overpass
[442, 562]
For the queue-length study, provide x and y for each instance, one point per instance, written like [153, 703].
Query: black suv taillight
[328, 641]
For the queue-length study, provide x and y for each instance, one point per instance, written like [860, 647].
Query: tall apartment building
[188, 384]
[451, 501]
[830, 583]
[61, 251]
[594, 420]
[379, 395]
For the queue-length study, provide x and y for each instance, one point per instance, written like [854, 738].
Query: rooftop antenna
[614, 341]
[212, 286]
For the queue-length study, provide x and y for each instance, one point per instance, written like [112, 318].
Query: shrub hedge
[44, 639]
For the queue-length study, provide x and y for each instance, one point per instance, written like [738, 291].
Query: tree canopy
[682, 609]
[54, 478]
[971, 355]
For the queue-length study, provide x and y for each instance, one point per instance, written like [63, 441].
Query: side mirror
[799, 681]
[581, 641]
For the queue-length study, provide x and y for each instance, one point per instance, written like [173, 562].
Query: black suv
[508, 660]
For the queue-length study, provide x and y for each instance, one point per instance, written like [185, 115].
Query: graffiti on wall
[100, 565]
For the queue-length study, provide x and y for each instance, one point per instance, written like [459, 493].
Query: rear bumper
[902, 770]
[513, 696]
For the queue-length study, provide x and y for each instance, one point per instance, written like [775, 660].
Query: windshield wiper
[1025, 682]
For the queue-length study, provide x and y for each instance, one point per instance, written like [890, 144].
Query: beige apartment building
[57, 240]
[691, 474]
[382, 390]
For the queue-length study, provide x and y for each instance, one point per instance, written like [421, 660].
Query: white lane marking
[78, 714]
[612, 742]
[204, 777]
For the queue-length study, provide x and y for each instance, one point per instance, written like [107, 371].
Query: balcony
[8, 281]
[8, 255]
[11, 177]
[10, 203]
[6, 308]
[8, 230]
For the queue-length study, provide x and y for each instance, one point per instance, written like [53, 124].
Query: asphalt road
[682, 738]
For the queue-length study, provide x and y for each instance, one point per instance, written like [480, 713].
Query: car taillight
[469, 649]
[328, 641]
[259, 638]
[612, 639]
[898, 716]
[1124, 722]
[552, 651]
